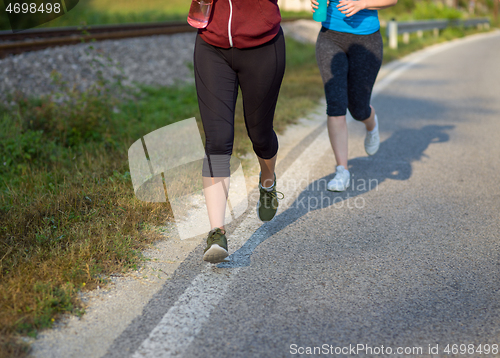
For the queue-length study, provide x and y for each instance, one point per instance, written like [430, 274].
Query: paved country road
[405, 261]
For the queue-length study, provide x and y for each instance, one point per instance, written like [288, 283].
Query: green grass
[98, 12]
[408, 10]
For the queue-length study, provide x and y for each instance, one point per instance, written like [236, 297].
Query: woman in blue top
[349, 55]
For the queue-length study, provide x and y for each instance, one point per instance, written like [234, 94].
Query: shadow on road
[392, 161]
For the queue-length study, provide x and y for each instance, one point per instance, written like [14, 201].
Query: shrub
[41, 131]
[428, 10]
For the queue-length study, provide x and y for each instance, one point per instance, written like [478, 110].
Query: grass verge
[68, 214]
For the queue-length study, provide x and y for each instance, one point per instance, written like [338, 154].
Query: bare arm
[351, 7]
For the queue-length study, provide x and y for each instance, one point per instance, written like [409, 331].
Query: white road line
[185, 319]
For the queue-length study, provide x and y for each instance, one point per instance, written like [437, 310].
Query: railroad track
[36, 39]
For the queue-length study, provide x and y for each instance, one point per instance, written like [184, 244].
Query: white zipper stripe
[229, 24]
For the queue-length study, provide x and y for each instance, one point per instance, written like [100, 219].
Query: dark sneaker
[216, 250]
[268, 202]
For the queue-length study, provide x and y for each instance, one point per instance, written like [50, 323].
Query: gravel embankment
[155, 60]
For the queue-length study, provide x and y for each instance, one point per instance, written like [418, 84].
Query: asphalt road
[408, 257]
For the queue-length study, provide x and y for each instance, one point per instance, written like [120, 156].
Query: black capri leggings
[218, 73]
[349, 65]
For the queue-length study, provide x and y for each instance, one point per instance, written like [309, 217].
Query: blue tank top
[364, 22]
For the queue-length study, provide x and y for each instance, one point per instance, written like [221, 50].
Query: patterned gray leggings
[349, 65]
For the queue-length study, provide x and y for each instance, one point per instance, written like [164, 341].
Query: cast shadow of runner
[392, 161]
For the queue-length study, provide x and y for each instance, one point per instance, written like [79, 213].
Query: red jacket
[242, 23]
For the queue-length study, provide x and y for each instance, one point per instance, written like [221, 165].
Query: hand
[350, 7]
[315, 5]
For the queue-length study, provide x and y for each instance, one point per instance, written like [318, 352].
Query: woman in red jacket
[242, 45]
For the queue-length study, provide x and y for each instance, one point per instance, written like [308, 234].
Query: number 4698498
[33, 8]
[471, 349]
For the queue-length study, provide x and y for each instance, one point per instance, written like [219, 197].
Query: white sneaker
[341, 180]
[372, 140]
